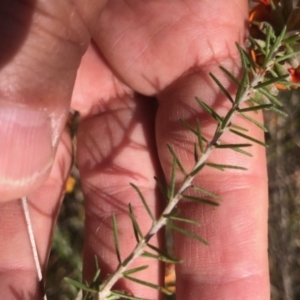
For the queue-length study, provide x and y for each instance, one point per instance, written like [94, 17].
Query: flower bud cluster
[268, 19]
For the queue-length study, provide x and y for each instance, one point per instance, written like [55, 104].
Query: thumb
[40, 51]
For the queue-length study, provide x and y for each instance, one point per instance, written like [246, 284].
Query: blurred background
[284, 189]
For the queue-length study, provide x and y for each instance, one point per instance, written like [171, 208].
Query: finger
[18, 276]
[149, 49]
[234, 265]
[42, 44]
[115, 148]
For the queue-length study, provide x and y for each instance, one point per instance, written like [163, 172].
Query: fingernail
[26, 151]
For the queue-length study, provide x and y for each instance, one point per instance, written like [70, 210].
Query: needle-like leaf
[135, 270]
[161, 188]
[188, 233]
[144, 201]
[201, 200]
[181, 219]
[197, 170]
[206, 192]
[270, 81]
[255, 108]
[248, 137]
[274, 47]
[196, 155]
[137, 231]
[149, 284]
[80, 285]
[116, 239]
[120, 295]
[271, 97]
[255, 122]
[162, 258]
[242, 151]
[173, 180]
[246, 60]
[209, 110]
[177, 159]
[222, 88]
[230, 146]
[222, 167]
[199, 136]
[234, 79]
[164, 254]
[241, 88]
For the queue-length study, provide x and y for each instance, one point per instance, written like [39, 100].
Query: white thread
[32, 241]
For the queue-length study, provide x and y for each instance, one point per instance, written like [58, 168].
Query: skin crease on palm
[140, 50]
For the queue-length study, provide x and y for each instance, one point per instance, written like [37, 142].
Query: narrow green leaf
[249, 65]
[188, 233]
[116, 239]
[135, 270]
[255, 108]
[273, 72]
[199, 136]
[240, 128]
[271, 97]
[173, 180]
[209, 110]
[248, 137]
[257, 45]
[144, 201]
[206, 192]
[241, 88]
[80, 285]
[201, 200]
[222, 88]
[177, 159]
[269, 36]
[181, 219]
[149, 284]
[286, 56]
[230, 146]
[161, 188]
[188, 126]
[123, 295]
[161, 258]
[234, 79]
[244, 58]
[222, 167]
[291, 39]
[197, 170]
[271, 81]
[228, 117]
[98, 270]
[259, 125]
[136, 229]
[164, 254]
[239, 150]
[196, 155]
[274, 47]
[279, 111]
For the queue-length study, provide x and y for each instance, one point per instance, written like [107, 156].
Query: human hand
[140, 50]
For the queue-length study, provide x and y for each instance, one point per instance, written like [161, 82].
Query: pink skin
[163, 49]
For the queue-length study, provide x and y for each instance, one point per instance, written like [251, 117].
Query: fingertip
[27, 150]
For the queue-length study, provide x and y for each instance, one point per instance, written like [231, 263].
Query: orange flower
[295, 74]
[260, 12]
